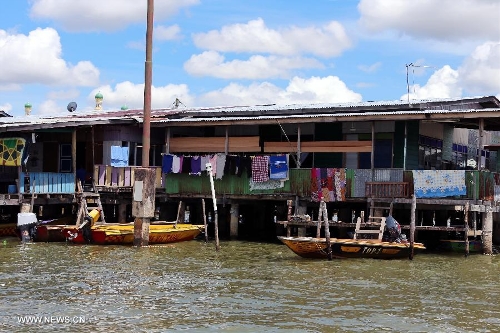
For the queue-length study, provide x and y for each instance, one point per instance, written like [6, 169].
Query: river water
[245, 287]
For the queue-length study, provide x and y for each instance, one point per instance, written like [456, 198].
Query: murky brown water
[246, 287]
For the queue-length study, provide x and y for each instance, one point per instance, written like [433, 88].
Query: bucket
[94, 214]
[11, 189]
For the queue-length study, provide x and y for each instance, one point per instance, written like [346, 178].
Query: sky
[235, 53]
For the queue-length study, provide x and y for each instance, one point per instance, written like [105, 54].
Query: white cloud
[132, 95]
[443, 83]
[370, 68]
[6, 107]
[172, 32]
[480, 72]
[48, 107]
[10, 86]
[65, 95]
[326, 41]
[433, 19]
[37, 58]
[98, 15]
[211, 63]
[328, 89]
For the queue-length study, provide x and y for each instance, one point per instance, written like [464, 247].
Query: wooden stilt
[412, 225]
[488, 231]
[204, 220]
[320, 215]
[178, 214]
[288, 218]
[466, 225]
[327, 229]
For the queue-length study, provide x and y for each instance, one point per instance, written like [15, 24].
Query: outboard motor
[392, 231]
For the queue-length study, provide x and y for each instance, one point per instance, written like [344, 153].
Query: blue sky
[227, 52]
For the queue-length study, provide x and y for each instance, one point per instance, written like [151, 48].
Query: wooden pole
[178, 214]
[412, 225]
[320, 215]
[32, 196]
[214, 200]
[288, 218]
[73, 157]
[204, 220]
[466, 224]
[327, 230]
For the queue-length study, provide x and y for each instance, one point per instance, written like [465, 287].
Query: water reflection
[245, 287]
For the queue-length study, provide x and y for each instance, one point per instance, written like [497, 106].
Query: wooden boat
[49, 233]
[459, 245]
[310, 247]
[8, 230]
[104, 234]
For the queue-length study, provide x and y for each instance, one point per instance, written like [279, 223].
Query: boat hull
[309, 247]
[459, 246]
[124, 234]
[8, 230]
[49, 233]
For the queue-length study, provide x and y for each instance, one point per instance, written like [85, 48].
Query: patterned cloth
[260, 169]
[11, 151]
[439, 183]
[328, 184]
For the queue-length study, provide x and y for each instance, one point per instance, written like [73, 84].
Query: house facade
[349, 155]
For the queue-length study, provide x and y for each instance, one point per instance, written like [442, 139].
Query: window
[65, 160]
[430, 153]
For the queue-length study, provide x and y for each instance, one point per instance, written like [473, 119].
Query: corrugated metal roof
[256, 112]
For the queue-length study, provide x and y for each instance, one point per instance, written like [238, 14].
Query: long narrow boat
[454, 245]
[8, 230]
[310, 247]
[118, 234]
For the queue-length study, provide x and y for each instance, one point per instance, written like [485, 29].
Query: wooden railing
[120, 177]
[387, 190]
[46, 182]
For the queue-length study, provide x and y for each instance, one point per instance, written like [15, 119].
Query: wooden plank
[107, 181]
[127, 179]
[102, 175]
[121, 176]
[214, 144]
[114, 176]
[158, 178]
[319, 147]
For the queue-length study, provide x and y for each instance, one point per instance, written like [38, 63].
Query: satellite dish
[71, 106]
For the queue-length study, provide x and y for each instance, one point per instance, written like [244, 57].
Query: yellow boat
[311, 247]
[124, 233]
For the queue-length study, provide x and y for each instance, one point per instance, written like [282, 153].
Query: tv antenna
[412, 65]
[177, 102]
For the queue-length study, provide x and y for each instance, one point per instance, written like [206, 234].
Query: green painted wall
[412, 145]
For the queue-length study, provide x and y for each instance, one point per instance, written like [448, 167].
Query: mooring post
[488, 231]
[204, 220]
[320, 215]
[288, 218]
[327, 230]
[216, 215]
[412, 225]
[466, 227]
[143, 203]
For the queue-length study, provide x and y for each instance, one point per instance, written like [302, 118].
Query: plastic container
[26, 218]
[11, 189]
[94, 214]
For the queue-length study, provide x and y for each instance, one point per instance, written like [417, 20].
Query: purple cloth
[196, 165]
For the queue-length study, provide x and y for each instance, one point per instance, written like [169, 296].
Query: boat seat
[369, 225]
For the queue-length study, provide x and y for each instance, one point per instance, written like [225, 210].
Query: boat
[123, 234]
[311, 247]
[390, 242]
[8, 230]
[454, 245]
